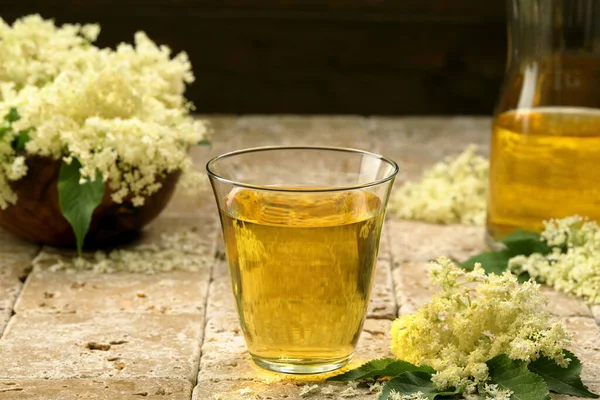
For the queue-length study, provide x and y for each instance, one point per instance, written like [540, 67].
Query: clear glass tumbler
[301, 228]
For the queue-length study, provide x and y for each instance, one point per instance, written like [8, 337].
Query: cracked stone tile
[120, 345]
[108, 389]
[13, 271]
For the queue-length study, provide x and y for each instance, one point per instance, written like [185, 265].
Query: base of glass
[300, 366]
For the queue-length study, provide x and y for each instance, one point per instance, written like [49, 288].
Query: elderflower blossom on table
[452, 191]
[473, 318]
[120, 112]
[573, 266]
[413, 396]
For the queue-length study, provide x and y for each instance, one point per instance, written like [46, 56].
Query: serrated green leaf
[412, 382]
[562, 380]
[378, 368]
[491, 261]
[12, 116]
[514, 375]
[525, 243]
[78, 201]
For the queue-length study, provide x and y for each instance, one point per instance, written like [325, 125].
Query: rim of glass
[230, 154]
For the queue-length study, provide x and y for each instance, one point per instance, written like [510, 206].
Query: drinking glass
[301, 228]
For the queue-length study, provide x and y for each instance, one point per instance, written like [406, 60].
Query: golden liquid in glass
[545, 163]
[301, 267]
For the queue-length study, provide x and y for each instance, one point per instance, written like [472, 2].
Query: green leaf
[562, 380]
[523, 277]
[377, 368]
[78, 201]
[514, 375]
[4, 128]
[517, 243]
[12, 116]
[525, 243]
[491, 261]
[412, 382]
[21, 139]
[204, 142]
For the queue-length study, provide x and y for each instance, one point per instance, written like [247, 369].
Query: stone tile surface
[121, 345]
[563, 305]
[596, 312]
[13, 271]
[382, 304]
[586, 346]
[173, 292]
[344, 131]
[221, 300]
[97, 389]
[384, 244]
[411, 286]
[84, 335]
[289, 390]
[421, 241]
[225, 356]
[416, 142]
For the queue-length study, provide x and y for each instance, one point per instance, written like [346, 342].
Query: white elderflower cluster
[473, 318]
[121, 113]
[308, 390]
[182, 251]
[452, 191]
[573, 266]
[413, 396]
[494, 392]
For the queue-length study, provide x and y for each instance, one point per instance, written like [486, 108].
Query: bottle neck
[542, 28]
[553, 54]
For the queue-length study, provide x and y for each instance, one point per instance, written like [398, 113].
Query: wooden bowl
[37, 216]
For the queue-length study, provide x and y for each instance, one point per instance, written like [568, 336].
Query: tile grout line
[388, 234]
[214, 251]
[29, 271]
[390, 268]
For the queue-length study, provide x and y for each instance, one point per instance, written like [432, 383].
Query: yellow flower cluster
[452, 191]
[573, 265]
[121, 113]
[473, 318]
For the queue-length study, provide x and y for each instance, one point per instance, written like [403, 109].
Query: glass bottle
[545, 146]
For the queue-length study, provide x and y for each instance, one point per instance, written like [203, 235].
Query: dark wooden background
[311, 56]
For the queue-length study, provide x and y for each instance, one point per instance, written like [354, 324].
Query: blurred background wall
[314, 56]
